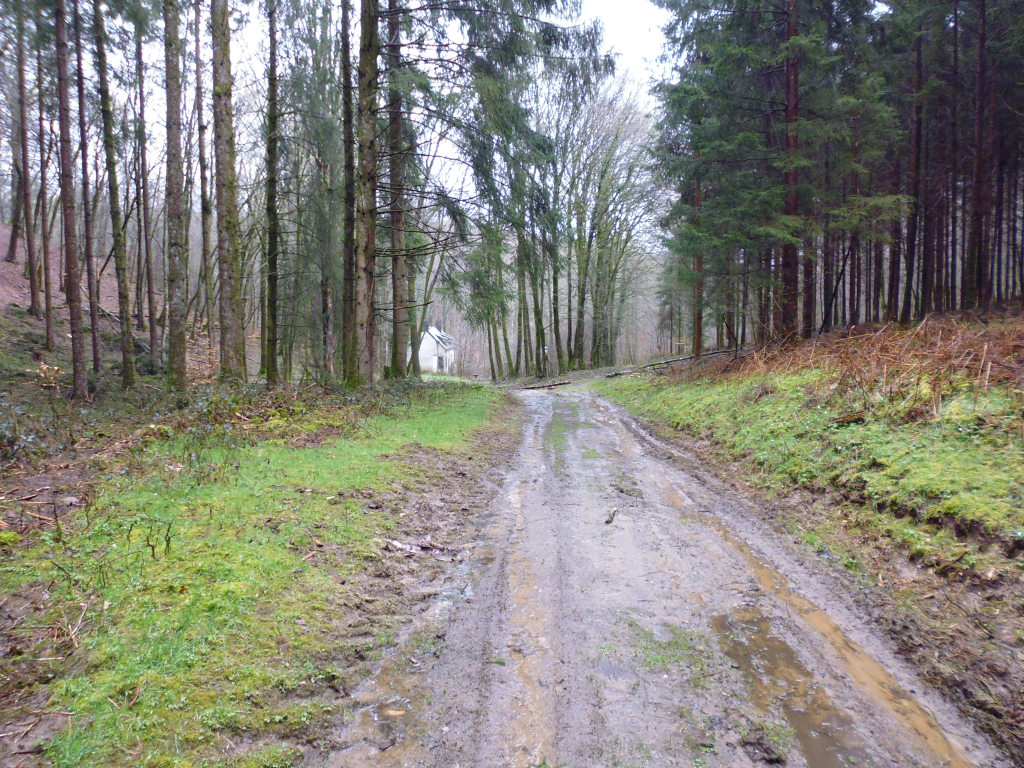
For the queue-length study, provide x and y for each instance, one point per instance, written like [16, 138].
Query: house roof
[440, 337]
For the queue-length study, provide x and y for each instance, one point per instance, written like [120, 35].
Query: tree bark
[396, 174]
[72, 280]
[810, 289]
[90, 266]
[915, 189]
[273, 221]
[44, 219]
[205, 202]
[697, 348]
[974, 267]
[366, 181]
[147, 234]
[348, 345]
[177, 244]
[232, 331]
[790, 289]
[26, 187]
[128, 377]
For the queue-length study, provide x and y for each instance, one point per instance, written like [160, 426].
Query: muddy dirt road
[623, 609]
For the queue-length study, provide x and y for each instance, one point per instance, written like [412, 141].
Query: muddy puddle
[775, 675]
[871, 677]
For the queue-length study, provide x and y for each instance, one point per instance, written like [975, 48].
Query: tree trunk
[26, 187]
[697, 348]
[348, 343]
[80, 385]
[366, 213]
[16, 218]
[147, 234]
[177, 244]
[273, 222]
[790, 291]
[232, 328]
[205, 202]
[913, 213]
[90, 267]
[974, 267]
[810, 289]
[44, 219]
[128, 377]
[396, 165]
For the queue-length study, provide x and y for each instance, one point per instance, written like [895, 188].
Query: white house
[437, 351]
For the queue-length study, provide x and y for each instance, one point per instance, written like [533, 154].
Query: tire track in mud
[677, 631]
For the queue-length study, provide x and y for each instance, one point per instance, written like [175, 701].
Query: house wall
[429, 352]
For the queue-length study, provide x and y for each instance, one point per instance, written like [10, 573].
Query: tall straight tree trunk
[396, 166]
[913, 214]
[974, 267]
[789, 250]
[348, 248]
[583, 254]
[128, 376]
[930, 220]
[72, 280]
[177, 244]
[876, 282]
[44, 218]
[697, 348]
[366, 181]
[147, 234]
[26, 187]
[556, 320]
[205, 201]
[232, 330]
[954, 170]
[273, 221]
[827, 278]
[810, 287]
[90, 266]
[326, 327]
[895, 241]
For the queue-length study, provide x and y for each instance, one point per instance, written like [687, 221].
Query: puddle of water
[775, 675]
[872, 678]
[388, 730]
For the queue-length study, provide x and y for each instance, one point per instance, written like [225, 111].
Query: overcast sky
[632, 29]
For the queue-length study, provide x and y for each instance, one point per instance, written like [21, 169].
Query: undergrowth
[197, 598]
[925, 425]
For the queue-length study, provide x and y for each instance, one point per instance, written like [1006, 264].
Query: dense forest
[298, 211]
[838, 164]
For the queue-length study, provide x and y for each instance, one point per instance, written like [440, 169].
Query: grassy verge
[217, 581]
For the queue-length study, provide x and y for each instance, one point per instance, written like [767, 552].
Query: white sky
[632, 29]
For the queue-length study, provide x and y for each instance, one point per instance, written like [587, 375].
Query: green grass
[204, 621]
[965, 467]
[682, 651]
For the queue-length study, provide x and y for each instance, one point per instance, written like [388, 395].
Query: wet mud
[622, 608]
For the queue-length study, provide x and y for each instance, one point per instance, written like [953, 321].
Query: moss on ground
[933, 480]
[189, 587]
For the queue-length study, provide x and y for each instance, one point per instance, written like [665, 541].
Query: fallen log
[548, 386]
